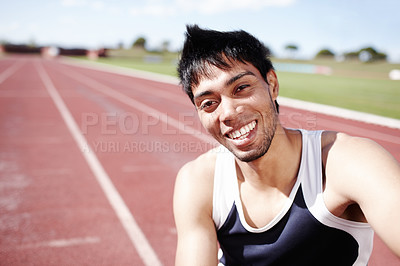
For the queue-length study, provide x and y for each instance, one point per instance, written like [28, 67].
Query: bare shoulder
[353, 161]
[200, 170]
[342, 147]
[194, 184]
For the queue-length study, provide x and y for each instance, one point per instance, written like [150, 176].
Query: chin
[253, 155]
[257, 152]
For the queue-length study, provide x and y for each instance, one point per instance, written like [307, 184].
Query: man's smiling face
[236, 106]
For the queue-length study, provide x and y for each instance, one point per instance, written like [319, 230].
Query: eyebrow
[228, 83]
[201, 94]
[239, 76]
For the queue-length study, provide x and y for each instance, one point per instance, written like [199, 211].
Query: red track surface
[53, 209]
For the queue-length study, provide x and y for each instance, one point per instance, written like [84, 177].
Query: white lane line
[133, 230]
[160, 78]
[340, 112]
[168, 120]
[72, 242]
[121, 70]
[60, 243]
[298, 104]
[359, 131]
[11, 70]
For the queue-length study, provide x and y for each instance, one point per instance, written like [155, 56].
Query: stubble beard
[263, 148]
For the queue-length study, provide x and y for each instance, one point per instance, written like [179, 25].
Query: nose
[229, 110]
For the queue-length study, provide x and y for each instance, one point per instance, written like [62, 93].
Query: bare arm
[197, 241]
[369, 176]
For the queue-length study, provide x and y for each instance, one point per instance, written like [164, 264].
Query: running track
[88, 160]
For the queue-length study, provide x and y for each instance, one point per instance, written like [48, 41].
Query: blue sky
[340, 25]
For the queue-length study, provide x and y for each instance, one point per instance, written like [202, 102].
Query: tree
[351, 55]
[325, 53]
[292, 49]
[368, 54]
[140, 43]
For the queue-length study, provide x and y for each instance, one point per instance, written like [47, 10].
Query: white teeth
[242, 131]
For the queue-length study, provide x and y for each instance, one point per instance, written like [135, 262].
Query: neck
[278, 167]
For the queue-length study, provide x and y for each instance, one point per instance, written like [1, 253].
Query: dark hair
[204, 48]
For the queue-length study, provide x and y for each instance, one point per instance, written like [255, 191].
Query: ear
[273, 84]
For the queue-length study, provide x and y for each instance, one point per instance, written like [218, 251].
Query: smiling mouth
[243, 132]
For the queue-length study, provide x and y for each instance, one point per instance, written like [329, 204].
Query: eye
[241, 87]
[207, 105]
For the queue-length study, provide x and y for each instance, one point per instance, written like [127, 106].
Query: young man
[272, 195]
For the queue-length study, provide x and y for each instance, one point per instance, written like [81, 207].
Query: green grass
[381, 97]
[353, 85]
[164, 67]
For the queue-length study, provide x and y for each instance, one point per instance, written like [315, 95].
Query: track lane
[143, 162]
[46, 188]
[130, 158]
[132, 229]
[6, 73]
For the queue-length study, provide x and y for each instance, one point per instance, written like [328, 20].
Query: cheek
[209, 122]
[261, 100]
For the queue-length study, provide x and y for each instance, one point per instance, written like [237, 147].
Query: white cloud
[153, 10]
[83, 3]
[73, 3]
[208, 7]
[221, 6]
